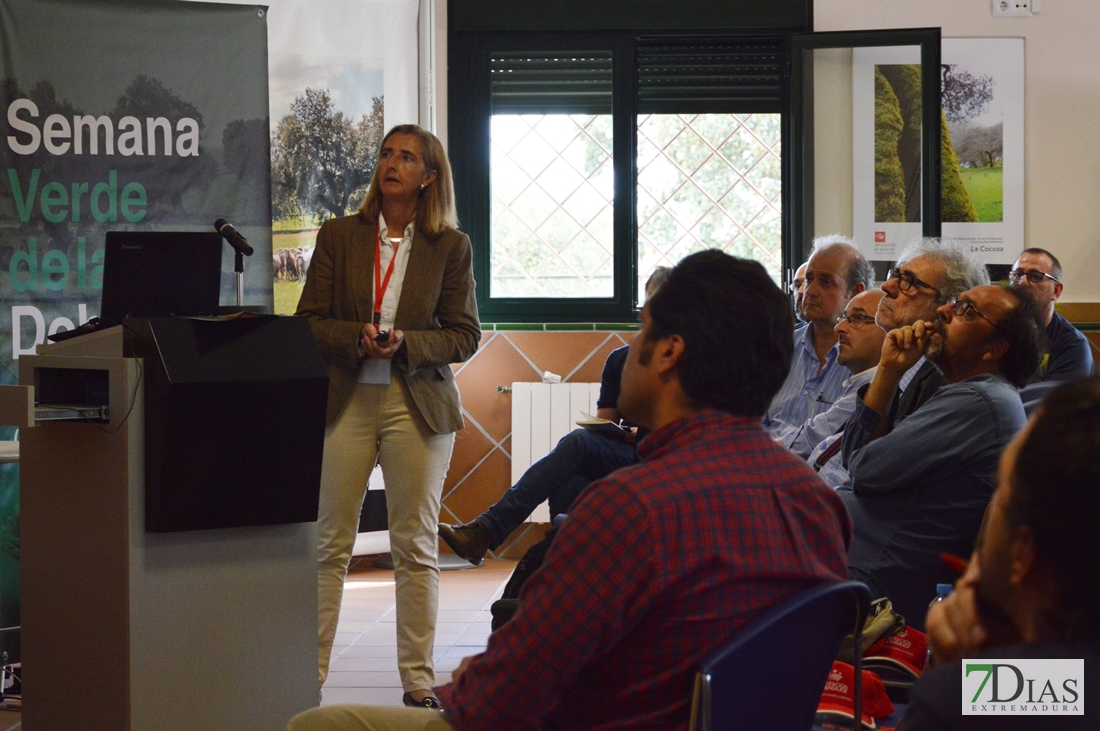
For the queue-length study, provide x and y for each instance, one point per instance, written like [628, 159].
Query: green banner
[121, 115]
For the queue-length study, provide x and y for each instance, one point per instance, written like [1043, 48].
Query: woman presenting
[390, 299]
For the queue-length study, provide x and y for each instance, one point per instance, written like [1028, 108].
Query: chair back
[772, 673]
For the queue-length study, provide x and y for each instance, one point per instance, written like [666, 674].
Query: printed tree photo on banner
[971, 171]
[979, 147]
[981, 118]
[323, 152]
[898, 145]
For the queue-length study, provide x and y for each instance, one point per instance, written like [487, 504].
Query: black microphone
[238, 242]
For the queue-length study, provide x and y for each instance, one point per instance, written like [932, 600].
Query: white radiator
[543, 413]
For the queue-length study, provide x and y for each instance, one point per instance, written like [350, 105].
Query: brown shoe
[470, 541]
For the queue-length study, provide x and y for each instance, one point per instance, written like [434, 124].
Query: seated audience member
[860, 340]
[798, 289]
[859, 346]
[921, 489]
[580, 458]
[835, 273]
[929, 274]
[1068, 352]
[1032, 587]
[659, 563]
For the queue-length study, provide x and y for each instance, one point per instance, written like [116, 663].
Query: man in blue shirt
[1032, 587]
[929, 274]
[835, 272]
[1068, 354]
[859, 347]
[920, 490]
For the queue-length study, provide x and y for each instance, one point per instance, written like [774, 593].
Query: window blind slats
[699, 78]
[567, 82]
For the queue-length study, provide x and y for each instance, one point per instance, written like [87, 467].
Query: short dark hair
[1024, 330]
[737, 329]
[1056, 493]
[1055, 265]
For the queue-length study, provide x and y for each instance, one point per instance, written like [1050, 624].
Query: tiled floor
[364, 659]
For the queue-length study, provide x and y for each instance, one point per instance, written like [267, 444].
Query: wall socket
[1014, 8]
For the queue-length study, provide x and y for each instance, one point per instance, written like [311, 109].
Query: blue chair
[1032, 394]
[772, 673]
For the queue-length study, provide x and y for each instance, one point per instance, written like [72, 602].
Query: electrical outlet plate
[1012, 8]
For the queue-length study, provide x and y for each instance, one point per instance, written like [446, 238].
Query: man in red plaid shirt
[660, 563]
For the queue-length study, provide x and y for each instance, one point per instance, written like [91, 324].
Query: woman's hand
[368, 342]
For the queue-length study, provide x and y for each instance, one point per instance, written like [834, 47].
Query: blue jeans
[579, 459]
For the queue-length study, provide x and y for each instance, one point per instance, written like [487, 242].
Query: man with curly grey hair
[920, 490]
[929, 273]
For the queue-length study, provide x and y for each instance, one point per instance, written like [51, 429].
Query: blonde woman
[390, 299]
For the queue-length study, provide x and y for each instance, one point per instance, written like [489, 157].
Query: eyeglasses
[963, 307]
[1017, 276]
[856, 320]
[907, 281]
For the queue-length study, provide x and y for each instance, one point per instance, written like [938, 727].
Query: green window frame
[650, 73]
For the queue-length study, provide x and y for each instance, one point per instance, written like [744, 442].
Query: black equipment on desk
[161, 274]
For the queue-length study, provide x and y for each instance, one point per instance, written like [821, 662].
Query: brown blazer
[437, 313]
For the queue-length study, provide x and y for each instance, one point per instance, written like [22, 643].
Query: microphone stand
[238, 268]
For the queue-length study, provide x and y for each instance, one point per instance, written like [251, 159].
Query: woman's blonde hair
[435, 208]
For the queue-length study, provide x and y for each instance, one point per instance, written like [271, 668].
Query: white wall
[833, 168]
[433, 67]
[1062, 118]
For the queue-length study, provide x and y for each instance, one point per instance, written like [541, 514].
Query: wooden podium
[129, 630]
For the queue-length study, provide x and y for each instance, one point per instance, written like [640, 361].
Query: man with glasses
[835, 272]
[860, 347]
[920, 490]
[929, 273]
[1068, 354]
[1032, 587]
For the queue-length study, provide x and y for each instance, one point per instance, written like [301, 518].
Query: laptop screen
[161, 274]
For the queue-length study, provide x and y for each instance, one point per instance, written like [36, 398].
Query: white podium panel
[125, 630]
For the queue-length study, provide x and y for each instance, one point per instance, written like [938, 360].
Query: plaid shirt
[655, 569]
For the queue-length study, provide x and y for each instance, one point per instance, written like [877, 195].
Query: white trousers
[368, 718]
[383, 423]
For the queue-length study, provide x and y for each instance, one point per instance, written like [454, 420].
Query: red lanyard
[380, 284]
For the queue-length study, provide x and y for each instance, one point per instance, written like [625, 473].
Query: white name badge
[376, 371]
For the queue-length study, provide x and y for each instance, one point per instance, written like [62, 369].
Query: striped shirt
[806, 392]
